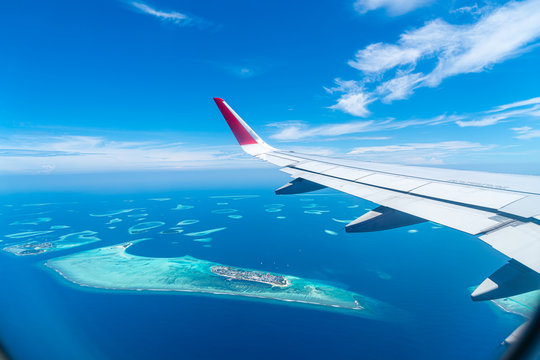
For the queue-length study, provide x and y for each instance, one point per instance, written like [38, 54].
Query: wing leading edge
[503, 210]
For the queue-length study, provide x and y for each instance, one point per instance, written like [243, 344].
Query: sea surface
[423, 270]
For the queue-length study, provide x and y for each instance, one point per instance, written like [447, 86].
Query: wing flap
[526, 207]
[394, 182]
[520, 241]
[526, 184]
[315, 166]
[492, 199]
[469, 220]
[347, 173]
[448, 192]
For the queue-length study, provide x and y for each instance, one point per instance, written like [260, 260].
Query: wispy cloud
[170, 16]
[419, 153]
[466, 9]
[299, 130]
[242, 71]
[354, 98]
[314, 150]
[526, 133]
[518, 110]
[393, 7]
[487, 121]
[36, 153]
[389, 70]
[444, 145]
[70, 153]
[517, 104]
[358, 138]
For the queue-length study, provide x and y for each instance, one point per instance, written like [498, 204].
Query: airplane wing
[503, 210]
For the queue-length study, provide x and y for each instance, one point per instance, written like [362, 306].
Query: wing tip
[240, 130]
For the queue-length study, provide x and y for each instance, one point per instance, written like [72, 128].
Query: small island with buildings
[246, 275]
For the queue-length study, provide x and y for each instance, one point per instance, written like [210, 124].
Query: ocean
[423, 270]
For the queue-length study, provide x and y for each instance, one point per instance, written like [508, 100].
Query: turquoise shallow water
[115, 268]
[423, 270]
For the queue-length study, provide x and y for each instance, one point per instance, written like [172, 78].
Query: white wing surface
[502, 210]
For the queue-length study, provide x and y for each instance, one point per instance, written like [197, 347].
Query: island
[524, 305]
[30, 248]
[256, 276]
[40, 245]
[114, 268]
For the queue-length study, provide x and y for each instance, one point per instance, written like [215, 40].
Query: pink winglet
[239, 131]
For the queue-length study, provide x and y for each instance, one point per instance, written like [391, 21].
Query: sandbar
[112, 213]
[187, 222]
[26, 234]
[205, 232]
[145, 226]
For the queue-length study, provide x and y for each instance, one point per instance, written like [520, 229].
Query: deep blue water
[425, 273]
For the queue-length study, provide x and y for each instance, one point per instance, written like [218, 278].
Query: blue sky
[108, 86]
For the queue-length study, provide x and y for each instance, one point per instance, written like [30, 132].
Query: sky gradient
[123, 86]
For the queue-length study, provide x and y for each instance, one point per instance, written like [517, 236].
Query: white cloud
[354, 99]
[299, 130]
[172, 16]
[487, 121]
[445, 145]
[419, 153]
[354, 103]
[423, 160]
[517, 104]
[502, 113]
[246, 72]
[314, 150]
[400, 87]
[402, 124]
[367, 138]
[242, 71]
[412, 47]
[526, 133]
[473, 9]
[70, 153]
[46, 169]
[499, 34]
[393, 7]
